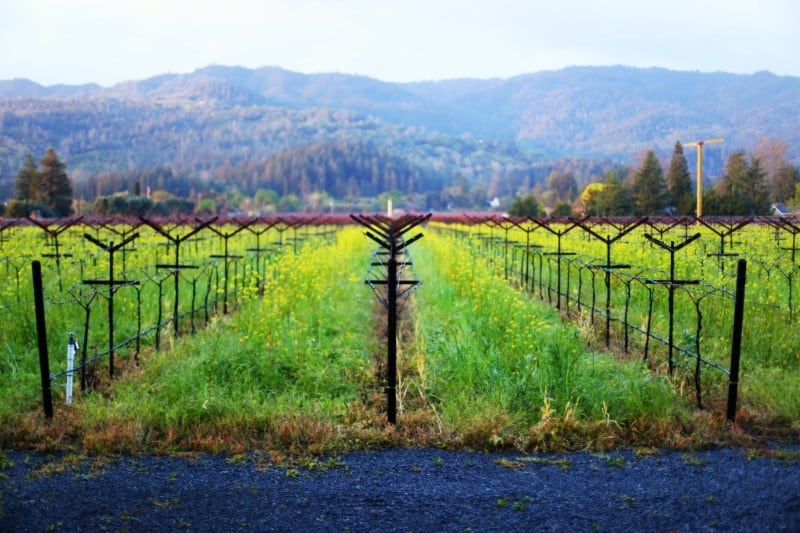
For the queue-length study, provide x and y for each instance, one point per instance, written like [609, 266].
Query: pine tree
[25, 178]
[679, 183]
[783, 182]
[51, 186]
[742, 190]
[524, 206]
[563, 184]
[755, 190]
[649, 187]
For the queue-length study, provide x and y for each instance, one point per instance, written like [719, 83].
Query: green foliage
[265, 197]
[649, 187]
[25, 178]
[492, 352]
[524, 206]
[172, 206]
[562, 209]
[609, 198]
[125, 204]
[783, 183]
[205, 207]
[679, 184]
[289, 203]
[47, 190]
[563, 185]
[24, 208]
[481, 363]
[300, 354]
[51, 185]
[741, 191]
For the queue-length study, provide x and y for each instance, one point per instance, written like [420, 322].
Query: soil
[727, 489]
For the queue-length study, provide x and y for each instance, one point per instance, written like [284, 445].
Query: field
[229, 336]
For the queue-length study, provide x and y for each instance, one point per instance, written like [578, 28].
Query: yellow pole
[699, 145]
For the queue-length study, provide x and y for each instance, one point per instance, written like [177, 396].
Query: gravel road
[728, 489]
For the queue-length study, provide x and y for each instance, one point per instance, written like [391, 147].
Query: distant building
[781, 210]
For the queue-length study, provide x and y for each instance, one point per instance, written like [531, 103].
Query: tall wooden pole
[699, 145]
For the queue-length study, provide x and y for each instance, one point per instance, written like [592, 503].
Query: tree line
[750, 185]
[359, 176]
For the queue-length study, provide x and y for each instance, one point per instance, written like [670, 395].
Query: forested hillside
[236, 125]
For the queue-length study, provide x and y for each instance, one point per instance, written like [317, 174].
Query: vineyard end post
[41, 331]
[736, 341]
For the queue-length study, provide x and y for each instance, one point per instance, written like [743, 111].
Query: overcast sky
[109, 41]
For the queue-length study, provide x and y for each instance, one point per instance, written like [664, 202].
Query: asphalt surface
[728, 489]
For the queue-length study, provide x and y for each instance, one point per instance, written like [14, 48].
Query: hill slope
[220, 115]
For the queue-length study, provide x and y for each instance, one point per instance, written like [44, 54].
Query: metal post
[391, 332]
[111, 310]
[671, 306]
[736, 341]
[41, 331]
[175, 312]
[71, 349]
[388, 234]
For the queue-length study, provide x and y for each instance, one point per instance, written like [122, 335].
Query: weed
[613, 460]
[509, 463]
[693, 460]
[627, 501]
[238, 459]
[52, 468]
[645, 451]
[312, 464]
[774, 453]
[563, 463]
[5, 462]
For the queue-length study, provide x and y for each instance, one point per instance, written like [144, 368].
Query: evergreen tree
[524, 206]
[742, 189]
[649, 188]
[783, 182]
[563, 184]
[679, 183]
[25, 178]
[755, 190]
[51, 186]
[562, 209]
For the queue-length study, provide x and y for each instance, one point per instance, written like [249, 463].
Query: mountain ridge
[213, 114]
[527, 108]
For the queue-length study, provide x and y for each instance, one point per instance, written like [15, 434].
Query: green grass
[768, 395]
[279, 373]
[481, 366]
[501, 364]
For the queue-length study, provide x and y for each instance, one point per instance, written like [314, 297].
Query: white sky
[109, 41]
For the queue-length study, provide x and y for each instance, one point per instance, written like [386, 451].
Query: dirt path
[728, 489]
